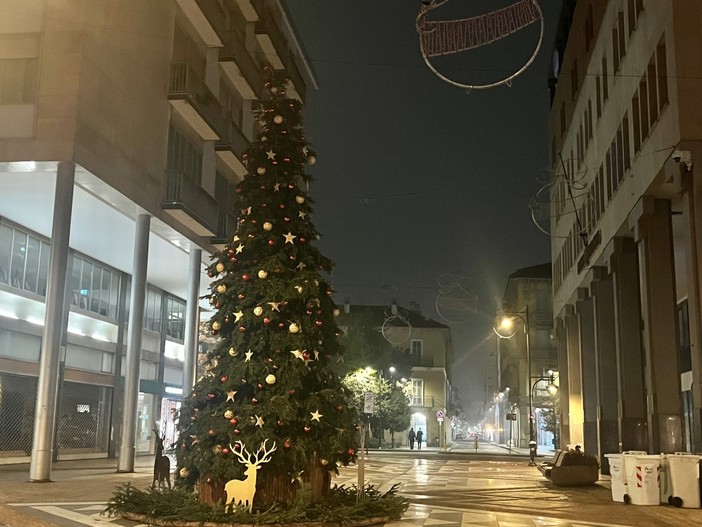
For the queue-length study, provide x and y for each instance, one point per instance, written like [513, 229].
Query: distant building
[528, 296]
[138, 113]
[625, 224]
[422, 348]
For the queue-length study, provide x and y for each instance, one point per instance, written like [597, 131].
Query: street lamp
[552, 389]
[505, 327]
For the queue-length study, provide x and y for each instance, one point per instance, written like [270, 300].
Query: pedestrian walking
[411, 436]
[475, 442]
[420, 435]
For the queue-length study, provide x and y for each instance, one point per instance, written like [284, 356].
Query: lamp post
[505, 328]
[552, 388]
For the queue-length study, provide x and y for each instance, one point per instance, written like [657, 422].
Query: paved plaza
[445, 489]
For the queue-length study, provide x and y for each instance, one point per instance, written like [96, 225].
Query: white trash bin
[664, 479]
[643, 486]
[617, 476]
[628, 457]
[685, 479]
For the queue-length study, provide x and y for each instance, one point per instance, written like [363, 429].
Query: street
[448, 489]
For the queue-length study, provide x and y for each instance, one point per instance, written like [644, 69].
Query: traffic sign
[440, 414]
[369, 403]
[511, 417]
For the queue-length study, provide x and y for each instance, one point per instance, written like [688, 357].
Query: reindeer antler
[247, 458]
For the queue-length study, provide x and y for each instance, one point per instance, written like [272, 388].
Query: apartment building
[122, 129]
[528, 360]
[625, 135]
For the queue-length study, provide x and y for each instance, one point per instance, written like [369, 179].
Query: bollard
[532, 453]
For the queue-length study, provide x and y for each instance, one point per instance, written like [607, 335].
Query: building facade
[625, 136]
[122, 129]
[528, 359]
[418, 348]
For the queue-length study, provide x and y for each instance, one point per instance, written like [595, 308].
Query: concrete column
[563, 388]
[691, 202]
[588, 368]
[127, 448]
[606, 358]
[45, 409]
[654, 239]
[192, 319]
[623, 267]
[575, 386]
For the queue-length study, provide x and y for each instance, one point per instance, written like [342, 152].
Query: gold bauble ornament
[293, 328]
[270, 379]
[262, 274]
[300, 199]
[267, 226]
[221, 288]
[216, 325]
[324, 462]
[184, 472]
[232, 351]
[311, 160]
[298, 288]
[228, 414]
[219, 267]
[258, 311]
[336, 312]
[261, 171]
[217, 449]
[278, 119]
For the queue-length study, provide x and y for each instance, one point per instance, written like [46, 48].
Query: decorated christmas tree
[270, 397]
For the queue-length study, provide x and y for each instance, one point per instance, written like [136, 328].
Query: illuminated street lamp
[505, 327]
[552, 389]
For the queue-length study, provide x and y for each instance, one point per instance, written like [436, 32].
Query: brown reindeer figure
[242, 491]
[162, 465]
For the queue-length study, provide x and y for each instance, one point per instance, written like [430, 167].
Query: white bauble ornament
[270, 379]
[278, 119]
[300, 199]
[293, 328]
[267, 226]
[261, 170]
[258, 311]
[262, 274]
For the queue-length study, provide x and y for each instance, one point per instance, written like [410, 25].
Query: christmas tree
[273, 378]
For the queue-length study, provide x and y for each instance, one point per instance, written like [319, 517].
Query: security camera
[683, 156]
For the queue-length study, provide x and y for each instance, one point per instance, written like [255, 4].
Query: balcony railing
[422, 402]
[184, 194]
[187, 84]
[234, 50]
[424, 362]
[232, 138]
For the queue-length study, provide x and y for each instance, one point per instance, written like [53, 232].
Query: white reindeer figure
[242, 491]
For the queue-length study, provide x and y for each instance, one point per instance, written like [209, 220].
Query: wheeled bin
[685, 479]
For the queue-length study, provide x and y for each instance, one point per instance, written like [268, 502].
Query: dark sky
[421, 185]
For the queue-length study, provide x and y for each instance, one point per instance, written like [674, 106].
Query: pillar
[575, 387]
[588, 370]
[45, 411]
[654, 238]
[623, 267]
[563, 387]
[606, 364]
[127, 449]
[192, 319]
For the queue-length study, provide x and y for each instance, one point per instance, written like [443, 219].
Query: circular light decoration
[446, 37]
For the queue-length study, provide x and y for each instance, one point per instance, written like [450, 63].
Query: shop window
[93, 287]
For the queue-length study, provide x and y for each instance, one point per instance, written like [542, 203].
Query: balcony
[190, 204]
[232, 139]
[422, 362]
[239, 66]
[192, 99]
[422, 402]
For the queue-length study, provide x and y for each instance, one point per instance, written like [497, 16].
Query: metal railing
[185, 83]
[186, 194]
[235, 50]
[422, 402]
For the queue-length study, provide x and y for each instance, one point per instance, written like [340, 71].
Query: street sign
[440, 419]
[511, 417]
[368, 403]
[440, 415]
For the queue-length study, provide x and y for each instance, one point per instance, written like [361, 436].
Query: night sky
[422, 189]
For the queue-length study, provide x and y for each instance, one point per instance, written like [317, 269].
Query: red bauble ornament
[287, 444]
[241, 296]
[237, 446]
[242, 329]
[211, 396]
[224, 378]
[340, 407]
[245, 277]
[309, 312]
[236, 432]
[259, 386]
[211, 275]
[218, 305]
[282, 205]
[286, 218]
[244, 381]
[302, 239]
[211, 432]
[233, 421]
[357, 428]
[281, 325]
[209, 481]
[280, 423]
[225, 450]
[351, 451]
[306, 355]
[232, 259]
[266, 320]
[271, 242]
[307, 429]
[254, 401]
[318, 323]
[291, 392]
